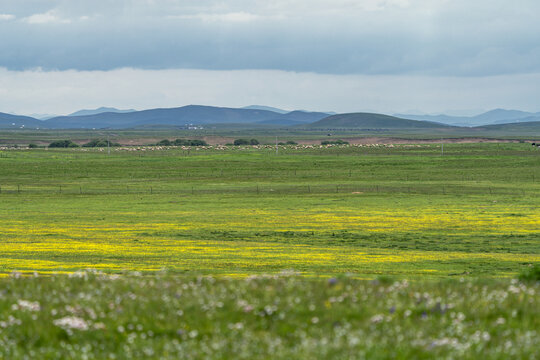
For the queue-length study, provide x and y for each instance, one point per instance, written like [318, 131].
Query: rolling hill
[9, 121]
[526, 126]
[371, 121]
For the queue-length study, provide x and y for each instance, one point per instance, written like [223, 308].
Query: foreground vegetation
[98, 316]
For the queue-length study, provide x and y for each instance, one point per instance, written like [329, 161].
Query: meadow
[349, 251]
[403, 210]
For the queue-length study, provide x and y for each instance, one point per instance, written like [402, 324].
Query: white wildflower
[71, 322]
[28, 305]
[377, 319]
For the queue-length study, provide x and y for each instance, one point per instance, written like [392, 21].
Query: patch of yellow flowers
[68, 246]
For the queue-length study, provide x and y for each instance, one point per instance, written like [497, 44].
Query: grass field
[236, 252]
[401, 210]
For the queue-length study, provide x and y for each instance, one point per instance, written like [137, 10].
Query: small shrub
[33, 146]
[164, 142]
[530, 274]
[187, 142]
[238, 142]
[100, 143]
[91, 143]
[198, 143]
[63, 144]
[290, 142]
[334, 142]
[246, 142]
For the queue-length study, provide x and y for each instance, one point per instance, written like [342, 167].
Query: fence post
[18, 189]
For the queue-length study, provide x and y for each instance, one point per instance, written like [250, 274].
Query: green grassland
[335, 252]
[403, 210]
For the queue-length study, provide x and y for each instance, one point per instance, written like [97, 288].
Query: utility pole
[442, 147]
[108, 145]
[276, 146]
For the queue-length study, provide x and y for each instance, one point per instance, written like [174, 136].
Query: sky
[412, 56]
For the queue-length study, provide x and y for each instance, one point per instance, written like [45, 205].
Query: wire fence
[278, 189]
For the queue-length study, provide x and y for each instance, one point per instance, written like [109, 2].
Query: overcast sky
[58, 56]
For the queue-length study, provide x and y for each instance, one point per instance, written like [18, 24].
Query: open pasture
[402, 210]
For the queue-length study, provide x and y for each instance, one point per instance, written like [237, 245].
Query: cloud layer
[57, 56]
[382, 37]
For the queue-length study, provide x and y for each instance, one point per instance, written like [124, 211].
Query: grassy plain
[402, 210]
[459, 226]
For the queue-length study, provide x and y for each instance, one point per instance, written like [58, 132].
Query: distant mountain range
[497, 116]
[260, 116]
[18, 121]
[181, 116]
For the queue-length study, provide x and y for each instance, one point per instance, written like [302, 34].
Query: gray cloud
[377, 37]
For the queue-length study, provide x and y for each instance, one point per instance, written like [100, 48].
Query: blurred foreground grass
[91, 315]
